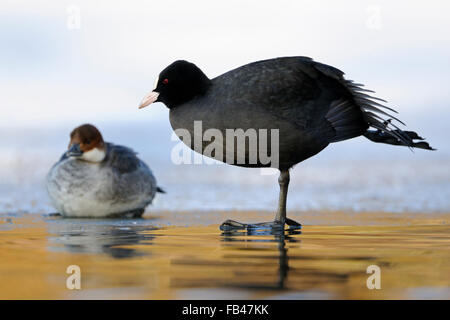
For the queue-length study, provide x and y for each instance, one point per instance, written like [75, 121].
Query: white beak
[149, 99]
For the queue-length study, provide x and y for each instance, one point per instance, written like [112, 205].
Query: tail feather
[387, 131]
[160, 190]
[352, 117]
[393, 132]
[383, 137]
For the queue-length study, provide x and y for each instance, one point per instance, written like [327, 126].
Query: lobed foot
[232, 225]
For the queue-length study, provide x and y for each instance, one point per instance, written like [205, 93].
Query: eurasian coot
[308, 104]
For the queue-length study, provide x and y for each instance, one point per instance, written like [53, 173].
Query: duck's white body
[120, 185]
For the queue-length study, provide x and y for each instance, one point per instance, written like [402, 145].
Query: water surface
[139, 259]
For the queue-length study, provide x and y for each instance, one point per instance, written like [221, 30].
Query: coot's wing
[290, 89]
[344, 114]
[313, 96]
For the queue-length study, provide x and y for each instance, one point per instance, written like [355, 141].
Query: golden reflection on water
[132, 259]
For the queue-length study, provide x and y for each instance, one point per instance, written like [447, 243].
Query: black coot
[310, 104]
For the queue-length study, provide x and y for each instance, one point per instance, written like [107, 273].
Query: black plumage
[310, 103]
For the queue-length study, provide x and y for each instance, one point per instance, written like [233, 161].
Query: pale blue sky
[101, 71]
[53, 78]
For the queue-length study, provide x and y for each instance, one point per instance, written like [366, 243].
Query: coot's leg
[283, 181]
[280, 218]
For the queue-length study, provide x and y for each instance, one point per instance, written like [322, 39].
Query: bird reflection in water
[255, 236]
[96, 236]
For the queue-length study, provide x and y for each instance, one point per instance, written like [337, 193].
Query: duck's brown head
[86, 143]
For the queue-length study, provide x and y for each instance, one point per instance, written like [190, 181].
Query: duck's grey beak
[149, 99]
[74, 151]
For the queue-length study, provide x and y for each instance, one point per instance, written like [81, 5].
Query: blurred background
[70, 62]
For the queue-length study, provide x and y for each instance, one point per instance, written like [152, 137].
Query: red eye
[165, 81]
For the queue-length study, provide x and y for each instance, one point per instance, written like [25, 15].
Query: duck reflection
[108, 236]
